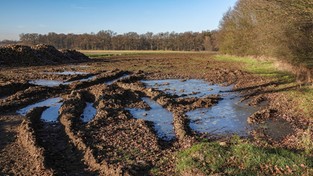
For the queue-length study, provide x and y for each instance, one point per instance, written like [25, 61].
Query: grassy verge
[302, 95]
[241, 158]
[260, 67]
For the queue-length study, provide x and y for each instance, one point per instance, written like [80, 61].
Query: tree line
[109, 40]
[274, 28]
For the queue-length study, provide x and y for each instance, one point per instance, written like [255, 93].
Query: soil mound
[20, 55]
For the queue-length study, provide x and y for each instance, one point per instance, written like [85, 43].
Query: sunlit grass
[260, 67]
[241, 158]
[304, 97]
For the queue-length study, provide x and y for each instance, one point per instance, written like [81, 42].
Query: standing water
[229, 115]
[50, 114]
[66, 73]
[190, 88]
[120, 78]
[55, 83]
[45, 82]
[161, 118]
[88, 113]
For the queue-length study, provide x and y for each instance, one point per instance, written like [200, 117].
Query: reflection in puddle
[89, 112]
[161, 118]
[50, 114]
[228, 116]
[66, 73]
[115, 80]
[189, 88]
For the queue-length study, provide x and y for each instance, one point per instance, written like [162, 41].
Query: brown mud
[114, 142]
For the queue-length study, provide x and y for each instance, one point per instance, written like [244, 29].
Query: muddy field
[100, 117]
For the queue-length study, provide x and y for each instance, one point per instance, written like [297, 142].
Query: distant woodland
[109, 40]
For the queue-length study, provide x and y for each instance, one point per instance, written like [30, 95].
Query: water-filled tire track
[70, 119]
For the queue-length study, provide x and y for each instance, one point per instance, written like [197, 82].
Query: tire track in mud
[14, 158]
[179, 118]
[11, 88]
[178, 106]
[69, 118]
[51, 145]
[121, 139]
[60, 154]
[114, 142]
[27, 94]
[101, 78]
[28, 139]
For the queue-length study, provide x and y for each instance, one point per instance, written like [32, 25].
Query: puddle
[89, 112]
[50, 114]
[189, 88]
[113, 81]
[83, 80]
[66, 73]
[45, 82]
[229, 116]
[162, 118]
[55, 83]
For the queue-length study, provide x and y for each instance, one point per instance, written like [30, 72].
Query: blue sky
[121, 16]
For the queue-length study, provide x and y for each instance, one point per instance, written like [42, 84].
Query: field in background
[105, 53]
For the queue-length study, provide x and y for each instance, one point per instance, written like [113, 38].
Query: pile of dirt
[20, 55]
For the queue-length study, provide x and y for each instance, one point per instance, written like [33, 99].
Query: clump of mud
[19, 55]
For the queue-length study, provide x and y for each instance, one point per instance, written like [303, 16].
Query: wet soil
[114, 141]
[60, 154]
[15, 160]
